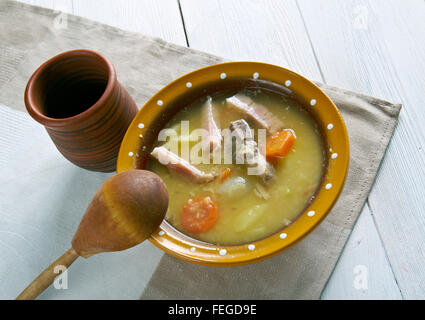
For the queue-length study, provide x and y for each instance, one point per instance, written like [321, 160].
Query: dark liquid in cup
[69, 98]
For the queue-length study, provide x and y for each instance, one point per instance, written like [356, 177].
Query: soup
[254, 166]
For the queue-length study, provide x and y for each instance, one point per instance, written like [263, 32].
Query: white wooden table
[376, 47]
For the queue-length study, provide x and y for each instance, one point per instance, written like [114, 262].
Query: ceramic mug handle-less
[76, 96]
[47, 277]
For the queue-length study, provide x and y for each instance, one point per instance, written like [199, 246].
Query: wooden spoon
[124, 212]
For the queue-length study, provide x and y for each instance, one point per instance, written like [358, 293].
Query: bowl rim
[184, 247]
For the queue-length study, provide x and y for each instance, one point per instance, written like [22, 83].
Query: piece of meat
[234, 187]
[180, 165]
[246, 149]
[213, 139]
[255, 112]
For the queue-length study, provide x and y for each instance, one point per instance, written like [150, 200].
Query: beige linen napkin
[144, 65]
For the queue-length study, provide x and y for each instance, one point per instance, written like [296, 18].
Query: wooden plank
[155, 18]
[269, 31]
[366, 262]
[378, 47]
[274, 31]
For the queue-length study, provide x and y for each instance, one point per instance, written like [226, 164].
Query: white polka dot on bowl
[222, 252]
[161, 233]
[334, 155]
[255, 75]
[251, 247]
[223, 75]
[189, 84]
[193, 249]
[311, 213]
[160, 102]
[328, 186]
[330, 126]
[288, 83]
[313, 102]
[141, 126]
[130, 154]
[282, 235]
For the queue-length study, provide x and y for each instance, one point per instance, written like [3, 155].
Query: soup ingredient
[261, 192]
[234, 187]
[248, 208]
[248, 219]
[287, 222]
[246, 149]
[279, 144]
[181, 166]
[225, 174]
[255, 112]
[213, 141]
[180, 138]
[199, 215]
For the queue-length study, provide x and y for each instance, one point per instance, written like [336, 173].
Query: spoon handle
[46, 278]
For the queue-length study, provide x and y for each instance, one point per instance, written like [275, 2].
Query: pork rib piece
[179, 165]
[247, 150]
[213, 141]
[255, 112]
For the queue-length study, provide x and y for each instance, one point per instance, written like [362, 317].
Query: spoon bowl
[125, 211]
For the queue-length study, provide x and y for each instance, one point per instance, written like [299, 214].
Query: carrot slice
[279, 144]
[199, 215]
[225, 174]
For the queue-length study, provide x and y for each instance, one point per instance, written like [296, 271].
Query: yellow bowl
[142, 133]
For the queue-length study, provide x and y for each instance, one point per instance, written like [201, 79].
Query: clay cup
[76, 96]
